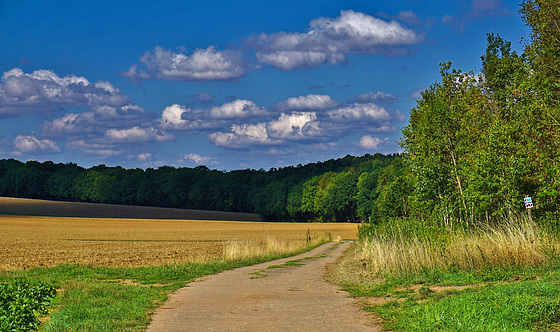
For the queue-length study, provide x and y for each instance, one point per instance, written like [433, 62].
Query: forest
[335, 190]
[476, 144]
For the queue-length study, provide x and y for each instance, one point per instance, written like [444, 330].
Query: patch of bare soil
[290, 294]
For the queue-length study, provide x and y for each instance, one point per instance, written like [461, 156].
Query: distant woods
[334, 190]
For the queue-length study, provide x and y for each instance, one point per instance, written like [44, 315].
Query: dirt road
[284, 295]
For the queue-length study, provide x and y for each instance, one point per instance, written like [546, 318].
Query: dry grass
[48, 241]
[269, 246]
[511, 244]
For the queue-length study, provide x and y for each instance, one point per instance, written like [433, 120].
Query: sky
[228, 84]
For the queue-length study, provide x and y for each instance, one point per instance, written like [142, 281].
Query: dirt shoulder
[289, 294]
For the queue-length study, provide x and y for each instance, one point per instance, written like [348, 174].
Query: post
[528, 205]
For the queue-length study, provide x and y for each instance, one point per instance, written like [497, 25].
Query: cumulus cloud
[294, 126]
[31, 143]
[370, 143]
[200, 160]
[97, 149]
[290, 60]
[172, 116]
[242, 136]
[360, 112]
[200, 65]
[42, 89]
[297, 126]
[376, 97]
[312, 119]
[137, 135]
[96, 121]
[329, 40]
[179, 117]
[145, 156]
[236, 109]
[308, 103]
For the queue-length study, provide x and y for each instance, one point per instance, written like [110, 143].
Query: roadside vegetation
[115, 299]
[501, 277]
[452, 246]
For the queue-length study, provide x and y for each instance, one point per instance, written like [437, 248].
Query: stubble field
[31, 241]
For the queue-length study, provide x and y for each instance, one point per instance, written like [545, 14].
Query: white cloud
[236, 109]
[101, 150]
[172, 116]
[360, 112]
[288, 127]
[200, 65]
[311, 124]
[369, 142]
[376, 97]
[178, 117]
[137, 135]
[292, 126]
[145, 156]
[27, 144]
[308, 103]
[43, 89]
[96, 121]
[242, 136]
[290, 60]
[200, 160]
[328, 40]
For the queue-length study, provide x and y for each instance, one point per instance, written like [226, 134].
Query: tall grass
[410, 247]
[243, 249]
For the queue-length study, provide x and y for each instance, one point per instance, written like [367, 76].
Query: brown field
[36, 207]
[31, 241]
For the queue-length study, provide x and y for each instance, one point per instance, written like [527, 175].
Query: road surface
[290, 294]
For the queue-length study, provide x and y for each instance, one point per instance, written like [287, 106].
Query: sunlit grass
[513, 243]
[243, 249]
[416, 277]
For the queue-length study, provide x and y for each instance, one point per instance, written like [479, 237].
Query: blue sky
[227, 84]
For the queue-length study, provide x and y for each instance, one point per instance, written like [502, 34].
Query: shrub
[21, 302]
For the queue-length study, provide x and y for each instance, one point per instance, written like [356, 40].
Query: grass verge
[504, 278]
[121, 299]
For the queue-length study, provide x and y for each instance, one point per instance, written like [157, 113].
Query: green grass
[414, 275]
[498, 299]
[115, 299]
[521, 306]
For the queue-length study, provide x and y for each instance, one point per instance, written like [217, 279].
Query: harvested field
[30, 241]
[36, 207]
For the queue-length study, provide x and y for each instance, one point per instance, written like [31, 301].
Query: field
[31, 241]
[36, 207]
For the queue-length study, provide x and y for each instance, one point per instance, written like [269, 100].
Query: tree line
[335, 190]
[478, 143]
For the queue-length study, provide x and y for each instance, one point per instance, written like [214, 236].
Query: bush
[21, 302]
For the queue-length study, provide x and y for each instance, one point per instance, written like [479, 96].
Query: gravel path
[289, 294]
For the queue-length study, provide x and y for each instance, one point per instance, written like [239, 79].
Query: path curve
[289, 294]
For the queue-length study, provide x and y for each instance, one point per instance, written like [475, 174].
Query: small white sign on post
[528, 202]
